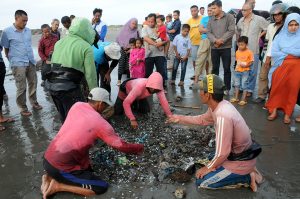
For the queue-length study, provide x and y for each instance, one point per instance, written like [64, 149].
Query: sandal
[297, 119]
[271, 118]
[287, 120]
[242, 103]
[7, 120]
[37, 106]
[233, 100]
[26, 113]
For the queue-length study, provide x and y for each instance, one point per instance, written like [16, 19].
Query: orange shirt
[246, 57]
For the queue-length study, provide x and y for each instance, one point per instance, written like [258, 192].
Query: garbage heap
[172, 152]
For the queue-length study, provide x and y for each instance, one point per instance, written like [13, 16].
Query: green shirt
[75, 51]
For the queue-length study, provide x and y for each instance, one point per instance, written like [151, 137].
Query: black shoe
[193, 77]
[259, 100]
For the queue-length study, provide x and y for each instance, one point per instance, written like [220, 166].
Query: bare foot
[6, 120]
[52, 189]
[253, 183]
[258, 177]
[45, 183]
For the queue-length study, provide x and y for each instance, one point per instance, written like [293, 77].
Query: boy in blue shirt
[182, 47]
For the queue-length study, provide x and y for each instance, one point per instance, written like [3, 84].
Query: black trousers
[141, 106]
[102, 70]
[123, 65]
[159, 64]
[64, 100]
[2, 77]
[81, 178]
[45, 69]
[225, 55]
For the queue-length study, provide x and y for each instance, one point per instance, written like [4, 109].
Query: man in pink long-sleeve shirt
[232, 137]
[66, 160]
[134, 92]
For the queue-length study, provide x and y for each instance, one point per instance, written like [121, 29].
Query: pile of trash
[172, 152]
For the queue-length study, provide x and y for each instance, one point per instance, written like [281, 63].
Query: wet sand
[23, 143]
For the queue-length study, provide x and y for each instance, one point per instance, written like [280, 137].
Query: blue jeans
[221, 178]
[241, 80]
[175, 68]
[253, 74]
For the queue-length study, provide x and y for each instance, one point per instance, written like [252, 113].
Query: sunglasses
[280, 13]
[244, 10]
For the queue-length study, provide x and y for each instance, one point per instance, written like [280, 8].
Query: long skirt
[285, 86]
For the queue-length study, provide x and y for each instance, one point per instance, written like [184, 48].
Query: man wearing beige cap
[66, 161]
[235, 158]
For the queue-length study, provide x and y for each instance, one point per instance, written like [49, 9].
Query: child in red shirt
[162, 32]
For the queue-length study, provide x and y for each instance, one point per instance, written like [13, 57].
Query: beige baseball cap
[100, 95]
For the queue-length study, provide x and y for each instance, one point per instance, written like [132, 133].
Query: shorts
[194, 51]
[222, 178]
[241, 80]
[81, 178]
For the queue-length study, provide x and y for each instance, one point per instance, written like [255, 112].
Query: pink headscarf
[127, 33]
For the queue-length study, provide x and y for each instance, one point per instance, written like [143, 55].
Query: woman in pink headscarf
[129, 30]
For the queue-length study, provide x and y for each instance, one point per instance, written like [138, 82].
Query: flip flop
[242, 103]
[26, 113]
[287, 121]
[233, 100]
[7, 120]
[271, 118]
[297, 119]
[37, 106]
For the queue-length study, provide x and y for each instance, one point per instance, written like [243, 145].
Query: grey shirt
[223, 28]
[252, 30]
[151, 51]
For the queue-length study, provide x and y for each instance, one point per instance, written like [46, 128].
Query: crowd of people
[77, 67]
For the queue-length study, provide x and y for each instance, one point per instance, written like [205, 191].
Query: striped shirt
[232, 135]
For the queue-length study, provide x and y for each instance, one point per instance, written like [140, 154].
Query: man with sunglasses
[233, 137]
[133, 93]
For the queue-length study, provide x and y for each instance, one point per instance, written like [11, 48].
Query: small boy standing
[46, 47]
[182, 47]
[244, 59]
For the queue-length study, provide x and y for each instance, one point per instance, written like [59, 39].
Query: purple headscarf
[127, 33]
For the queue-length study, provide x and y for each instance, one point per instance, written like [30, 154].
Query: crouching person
[66, 160]
[134, 93]
[234, 162]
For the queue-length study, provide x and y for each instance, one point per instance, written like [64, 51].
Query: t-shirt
[162, 33]
[204, 22]
[151, 51]
[182, 44]
[69, 150]
[194, 31]
[176, 25]
[243, 56]
[169, 25]
[99, 53]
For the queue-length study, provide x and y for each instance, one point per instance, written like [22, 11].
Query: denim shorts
[241, 80]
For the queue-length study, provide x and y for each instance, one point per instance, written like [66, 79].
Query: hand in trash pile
[172, 119]
[203, 171]
[134, 124]
[137, 149]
